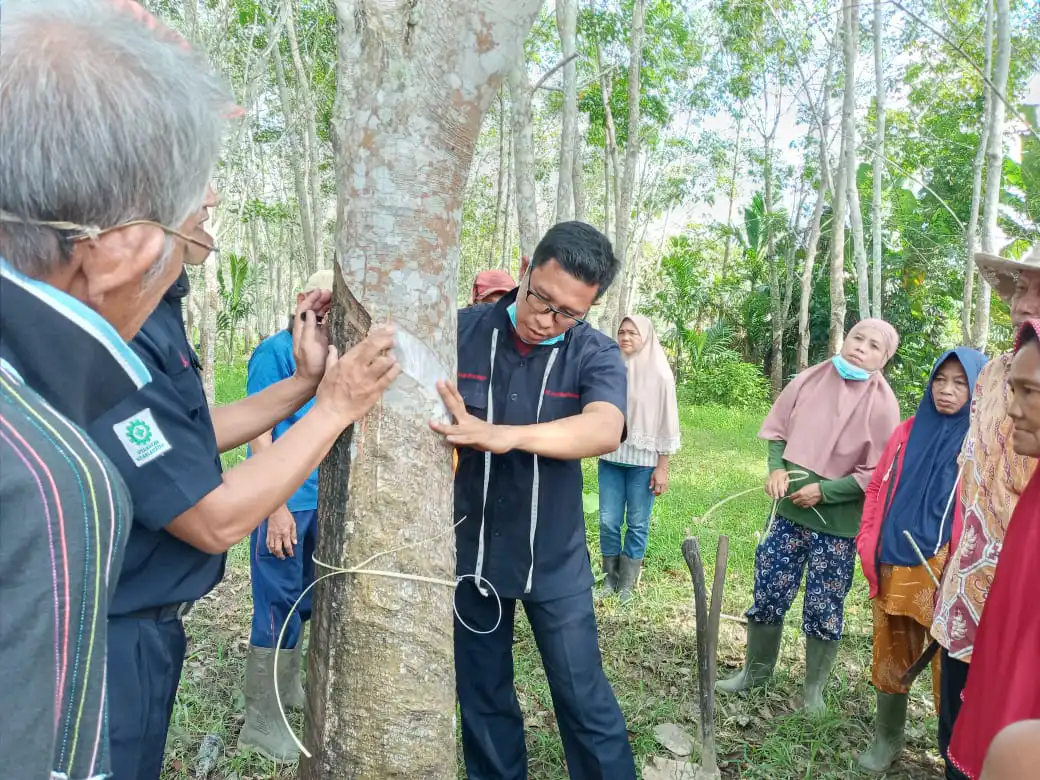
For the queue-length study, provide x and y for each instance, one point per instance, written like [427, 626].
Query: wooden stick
[705, 661]
[718, 587]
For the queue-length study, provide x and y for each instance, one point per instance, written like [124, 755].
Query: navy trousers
[595, 740]
[145, 657]
[278, 583]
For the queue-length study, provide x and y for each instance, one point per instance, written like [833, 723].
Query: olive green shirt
[841, 507]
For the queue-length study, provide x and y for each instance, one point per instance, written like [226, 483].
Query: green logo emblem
[138, 432]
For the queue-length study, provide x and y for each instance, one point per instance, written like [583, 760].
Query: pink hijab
[833, 426]
[653, 412]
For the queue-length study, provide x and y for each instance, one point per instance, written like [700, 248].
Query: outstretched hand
[467, 430]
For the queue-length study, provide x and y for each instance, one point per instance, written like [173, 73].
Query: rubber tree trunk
[850, 13]
[994, 164]
[413, 83]
[567, 24]
[877, 275]
[971, 231]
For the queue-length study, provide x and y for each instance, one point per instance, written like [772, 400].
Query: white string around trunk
[362, 568]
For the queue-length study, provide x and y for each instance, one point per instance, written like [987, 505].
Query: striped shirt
[62, 527]
[630, 455]
[65, 515]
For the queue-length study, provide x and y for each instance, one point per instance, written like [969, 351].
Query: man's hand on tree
[311, 337]
[355, 382]
[470, 431]
[281, 533]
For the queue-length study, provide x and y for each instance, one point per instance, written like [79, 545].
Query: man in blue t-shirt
[281, 567]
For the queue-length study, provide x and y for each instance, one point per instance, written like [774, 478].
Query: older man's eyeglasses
[539, 305]
[89, 232]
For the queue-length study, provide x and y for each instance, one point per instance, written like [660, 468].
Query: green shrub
[733, 384]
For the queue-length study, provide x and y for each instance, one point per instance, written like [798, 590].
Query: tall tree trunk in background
[859, 249]
[523, 156]
[567, 23]
[412, 90]
[994, 164]
[504, 257]
[303, 193]
[208, 326]
[971, 231]
[307, 114]
[777, 314]
[879, 162]
[732, 191]
[579, 166]
[850, 13]
[623, 204]
[503, 171]
[611, 174]
[816, 224]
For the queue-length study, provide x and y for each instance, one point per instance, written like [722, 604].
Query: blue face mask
[512, 318]
[848, 371]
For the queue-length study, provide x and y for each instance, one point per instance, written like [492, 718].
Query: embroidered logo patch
[141, 437]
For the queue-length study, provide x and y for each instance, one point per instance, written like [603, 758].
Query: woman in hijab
[1004, 682]
[910, 495]
[826, 433]
[637, 472]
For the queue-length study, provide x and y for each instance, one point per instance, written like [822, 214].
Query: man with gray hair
[109, 134]
[96, 113]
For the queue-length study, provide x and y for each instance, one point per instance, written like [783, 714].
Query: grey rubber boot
[889, 733]
[763, 648]
[819, 660]
[610, 578]
[628, 576]
[290, 677]
[264, 729]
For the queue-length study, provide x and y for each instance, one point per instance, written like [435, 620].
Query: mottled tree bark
[414, 81]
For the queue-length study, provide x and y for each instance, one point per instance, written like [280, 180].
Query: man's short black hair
[582, 251]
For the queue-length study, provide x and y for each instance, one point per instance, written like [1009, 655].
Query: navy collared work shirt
[537, 555]
[168, 456]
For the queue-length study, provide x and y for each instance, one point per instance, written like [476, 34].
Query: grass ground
[648, 647]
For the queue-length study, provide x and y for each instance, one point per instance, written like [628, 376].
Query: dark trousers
[595, 740]
[145, 657]
[278, 583]
[954, 678]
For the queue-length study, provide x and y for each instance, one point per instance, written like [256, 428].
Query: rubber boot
[628, 575]
[610, 578]
[819, 660]
[290, 677]
[763, 648]
[264, 729]
[889, 733]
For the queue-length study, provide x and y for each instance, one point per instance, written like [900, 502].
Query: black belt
[163, 613]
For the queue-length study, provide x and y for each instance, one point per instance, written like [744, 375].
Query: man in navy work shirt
[538, 390]
[280, 566]
[187, 514]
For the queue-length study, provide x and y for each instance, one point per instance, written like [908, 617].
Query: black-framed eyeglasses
[544, 307]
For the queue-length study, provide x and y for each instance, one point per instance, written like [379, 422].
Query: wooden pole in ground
[707, 642]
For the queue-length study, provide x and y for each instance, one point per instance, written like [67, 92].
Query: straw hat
[1002, 272]
[319, 280]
